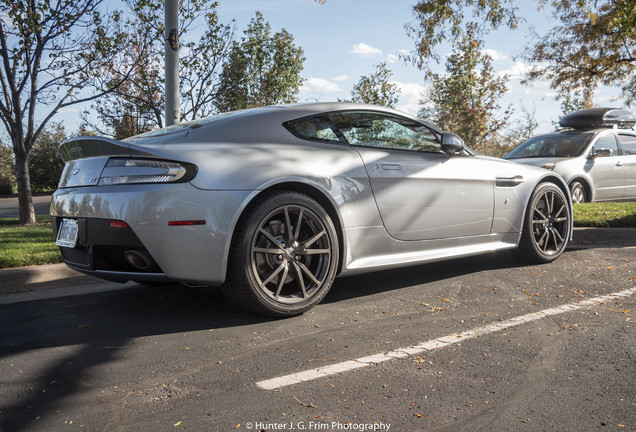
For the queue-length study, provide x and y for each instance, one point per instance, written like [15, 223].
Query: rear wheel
[284, 255]
[579, 194]
[547, 225]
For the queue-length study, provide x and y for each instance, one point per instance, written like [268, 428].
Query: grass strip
[27, 245]
[35, 244]
[605, 215]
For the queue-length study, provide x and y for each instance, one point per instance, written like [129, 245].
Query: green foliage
[438, 21]
[6, 170]
[45, 165]
[594, 44]
[576, 100]
[51, 55]
[514, 133]
[464, 100]
[138, 105]
[375, 88]
[263, 69]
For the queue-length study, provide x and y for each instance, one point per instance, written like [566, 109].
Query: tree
[595, 43]
[262, 69]
[437, 21]
[46, 165]
[138, 105]
[464, 100]
[515, 133]
[6, 169]
[576, 100]
[376, 89]
[50, 51]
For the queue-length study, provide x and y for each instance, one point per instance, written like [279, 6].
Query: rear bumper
[195, 254]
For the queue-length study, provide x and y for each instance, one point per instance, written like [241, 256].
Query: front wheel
[284, 255]
[547, 225]
[578, 193]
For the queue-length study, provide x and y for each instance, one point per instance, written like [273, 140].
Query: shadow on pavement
[97, 324]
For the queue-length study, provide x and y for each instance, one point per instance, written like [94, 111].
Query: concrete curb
[56, 276]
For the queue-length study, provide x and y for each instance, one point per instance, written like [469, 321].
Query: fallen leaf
[309, 405]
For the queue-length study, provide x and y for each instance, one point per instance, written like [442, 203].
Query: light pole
[173, 116]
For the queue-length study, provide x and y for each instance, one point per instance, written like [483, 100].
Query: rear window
[628, 143]
[317, 128]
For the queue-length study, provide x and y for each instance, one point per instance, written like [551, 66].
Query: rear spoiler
[90, 146]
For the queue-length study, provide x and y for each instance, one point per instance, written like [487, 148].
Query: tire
[547, 225]
[284, 255]
[578, 192]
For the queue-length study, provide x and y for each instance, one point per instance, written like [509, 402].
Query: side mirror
[452, 143]
[599, 153]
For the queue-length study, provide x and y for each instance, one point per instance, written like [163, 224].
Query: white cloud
[320, 85]
[365, 50]
[539, 88]
[341, 78]
[494, 54]
[410, 95]
[392, 58]
[516, 71]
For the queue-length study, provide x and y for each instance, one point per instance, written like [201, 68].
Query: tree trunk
[25, 196]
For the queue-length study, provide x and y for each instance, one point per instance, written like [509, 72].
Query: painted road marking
[346, 366]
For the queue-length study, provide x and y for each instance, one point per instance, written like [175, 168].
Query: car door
[628, 156]
[421, 192]
[608, 171]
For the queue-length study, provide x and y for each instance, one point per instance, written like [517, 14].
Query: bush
[45, 165]
[6, 170]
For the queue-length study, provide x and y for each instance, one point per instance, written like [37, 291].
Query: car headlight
[549, 166]
[134, 171]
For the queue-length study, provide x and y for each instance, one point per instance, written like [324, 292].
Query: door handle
[395, 167]
[619, 163]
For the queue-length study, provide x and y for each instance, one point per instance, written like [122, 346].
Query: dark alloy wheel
[547, 225]
[284, 256]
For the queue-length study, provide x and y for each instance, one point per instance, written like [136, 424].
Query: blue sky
[345, 39]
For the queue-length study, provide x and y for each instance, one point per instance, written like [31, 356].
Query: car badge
[75, 171]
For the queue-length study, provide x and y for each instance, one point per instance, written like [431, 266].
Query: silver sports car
[273, 203]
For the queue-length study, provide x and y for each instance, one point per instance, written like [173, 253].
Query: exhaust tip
[139, 260]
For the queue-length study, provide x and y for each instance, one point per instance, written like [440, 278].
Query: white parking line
[312, 374]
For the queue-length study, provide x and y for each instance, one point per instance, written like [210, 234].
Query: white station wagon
[595, 154]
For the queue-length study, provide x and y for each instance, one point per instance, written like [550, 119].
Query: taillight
[120, 171]
[118, 224]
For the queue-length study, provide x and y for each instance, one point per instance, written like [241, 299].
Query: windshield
[552, 145]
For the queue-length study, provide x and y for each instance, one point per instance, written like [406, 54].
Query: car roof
[263, 122]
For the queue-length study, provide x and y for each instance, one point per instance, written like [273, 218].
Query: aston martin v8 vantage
[273, 203]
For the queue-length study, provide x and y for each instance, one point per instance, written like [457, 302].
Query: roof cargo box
[597, 118]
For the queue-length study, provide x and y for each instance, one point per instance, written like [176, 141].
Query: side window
[312, 128]
[607, 142]
[385, 131]
[628, 143]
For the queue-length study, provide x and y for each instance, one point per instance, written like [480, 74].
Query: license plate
[68, 233]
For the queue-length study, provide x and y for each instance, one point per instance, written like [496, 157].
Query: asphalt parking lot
[481, 343]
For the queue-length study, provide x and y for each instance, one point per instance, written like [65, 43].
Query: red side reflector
[187, 222]
[118, 224]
